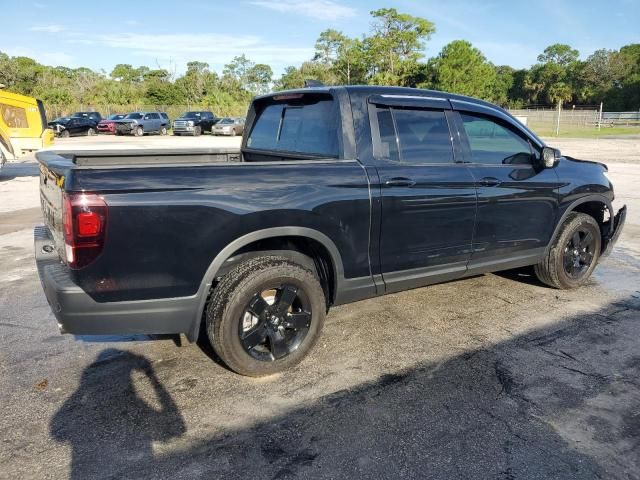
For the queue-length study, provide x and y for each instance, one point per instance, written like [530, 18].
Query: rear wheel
[265, 315]
[574, 253]
[163, 131]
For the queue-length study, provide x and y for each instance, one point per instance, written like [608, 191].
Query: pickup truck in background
[336, 195]
[140, 123]
[194, 123]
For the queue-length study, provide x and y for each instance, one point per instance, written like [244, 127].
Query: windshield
[134, 116]
[116, 116]
[62, 120]
[192, 115]
[226, 121]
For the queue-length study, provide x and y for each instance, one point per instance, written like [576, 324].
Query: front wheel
[64, 134]
[91, 132]
[265, 315]
[197, 131]
[139, 131]
[574, 253]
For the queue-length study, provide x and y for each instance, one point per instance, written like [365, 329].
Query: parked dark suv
[94, 117]
[336, 195]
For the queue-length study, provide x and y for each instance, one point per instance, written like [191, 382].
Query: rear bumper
[618, 225]
[78, 313]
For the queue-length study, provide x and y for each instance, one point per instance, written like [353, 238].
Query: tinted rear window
[303, 125]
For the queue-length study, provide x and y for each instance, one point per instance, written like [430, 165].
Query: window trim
[465, 144]
[376, 140]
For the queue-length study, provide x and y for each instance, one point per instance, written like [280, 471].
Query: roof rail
[313, 83]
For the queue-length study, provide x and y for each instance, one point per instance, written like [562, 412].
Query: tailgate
[51, 190]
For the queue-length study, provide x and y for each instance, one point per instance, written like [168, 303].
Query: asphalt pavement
[492, 377]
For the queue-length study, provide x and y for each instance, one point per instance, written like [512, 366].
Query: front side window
[306, 124]
[492, 143]
[414, 136]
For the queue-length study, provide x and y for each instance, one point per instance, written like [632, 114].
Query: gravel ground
[491, 377]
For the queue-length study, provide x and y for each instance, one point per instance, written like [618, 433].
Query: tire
[163, 131]
[139, 131]
[65, 134]
[567, 265]
[248, 287]
[91, 132]
[197, 131]
[233, 132]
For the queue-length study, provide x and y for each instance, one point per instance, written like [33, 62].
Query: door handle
[489, 182]
[399, 182]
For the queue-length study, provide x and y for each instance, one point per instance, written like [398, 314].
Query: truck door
[428, 194]
[517, 196]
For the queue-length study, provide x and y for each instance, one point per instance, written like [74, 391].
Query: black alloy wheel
[578, 254]
[275, 322]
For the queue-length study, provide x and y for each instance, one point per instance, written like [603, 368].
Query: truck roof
[383, 90]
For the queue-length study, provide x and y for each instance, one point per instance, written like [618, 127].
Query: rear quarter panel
[167, 224]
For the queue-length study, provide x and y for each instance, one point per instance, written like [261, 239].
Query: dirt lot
[491, 377]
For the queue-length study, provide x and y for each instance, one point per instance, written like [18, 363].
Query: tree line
[391, 53]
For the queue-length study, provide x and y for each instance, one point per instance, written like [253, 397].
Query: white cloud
[319, 9]
[47, 28]
[215, 48]
[54, 59]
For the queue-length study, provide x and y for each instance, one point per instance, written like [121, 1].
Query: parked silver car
[229, 126]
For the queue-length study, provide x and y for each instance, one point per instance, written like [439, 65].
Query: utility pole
[558, 118]
[600, 117]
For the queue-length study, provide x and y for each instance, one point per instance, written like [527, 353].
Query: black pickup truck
[336, 195]
[194, 123]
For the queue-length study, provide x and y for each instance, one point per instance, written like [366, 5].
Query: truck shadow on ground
[558, 402]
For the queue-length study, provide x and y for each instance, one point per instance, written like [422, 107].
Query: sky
[167, 34]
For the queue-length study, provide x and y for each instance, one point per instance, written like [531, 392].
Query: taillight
[84, 218]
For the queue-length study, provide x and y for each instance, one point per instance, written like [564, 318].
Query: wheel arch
[597, 206]
[240, 249]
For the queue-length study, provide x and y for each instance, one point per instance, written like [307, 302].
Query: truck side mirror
[549, 157]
